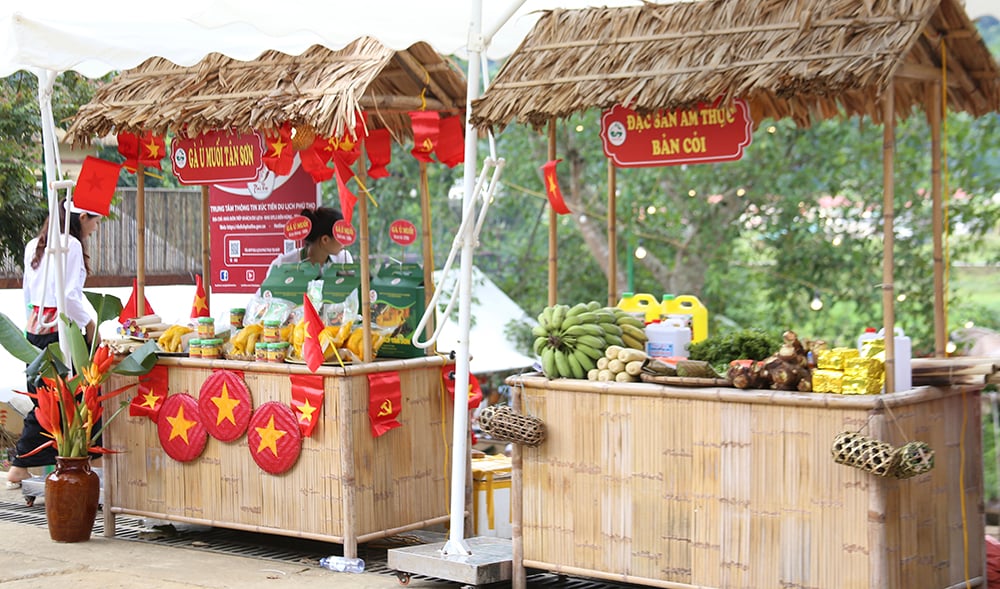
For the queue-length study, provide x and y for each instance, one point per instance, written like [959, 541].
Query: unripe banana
[539, 343]
[539, 331]
[636, 333]
[593, 341]
[575, 310]
[586, 362]
[549, 362]
[589, 351]
[627, 319]
[612, 328]
[631, 342]
[575, 370]
[562, 364]
[593, 329]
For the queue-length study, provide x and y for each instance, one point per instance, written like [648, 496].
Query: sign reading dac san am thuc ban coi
[708, 133]
[217, 156]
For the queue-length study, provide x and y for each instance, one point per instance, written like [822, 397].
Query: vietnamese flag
[307, 400]
[312, 350]
[378, 146]
[426, 128]
[450, 148]
[384, 402]
[475, 391]
[152, 392]
[130, 310]
[347, 198]
[96, 185]
[279, 155]
[552, 188]
[147, 150]
[200, 306]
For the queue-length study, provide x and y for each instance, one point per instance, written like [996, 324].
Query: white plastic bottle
[667, 338]
[342, 564]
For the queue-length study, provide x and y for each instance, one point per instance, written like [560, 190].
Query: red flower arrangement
[71, 405]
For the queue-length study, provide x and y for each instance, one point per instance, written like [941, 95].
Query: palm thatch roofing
[804, 59]
[321, 88]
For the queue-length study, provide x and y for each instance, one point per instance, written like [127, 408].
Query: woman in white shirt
[319, 247]
[40, 301]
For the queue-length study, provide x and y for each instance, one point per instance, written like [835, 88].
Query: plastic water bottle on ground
[342, 564]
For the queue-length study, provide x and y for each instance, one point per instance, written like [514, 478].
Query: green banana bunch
[571, 339]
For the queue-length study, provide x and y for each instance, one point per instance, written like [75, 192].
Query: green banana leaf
[139, 362]
[13, 340]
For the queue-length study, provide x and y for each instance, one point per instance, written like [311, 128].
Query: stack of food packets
[850, 372]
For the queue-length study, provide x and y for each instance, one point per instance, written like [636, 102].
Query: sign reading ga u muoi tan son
[217, 156]
[708, 133]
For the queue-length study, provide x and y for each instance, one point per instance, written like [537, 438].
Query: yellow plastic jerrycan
[689, 305]
[642, 305]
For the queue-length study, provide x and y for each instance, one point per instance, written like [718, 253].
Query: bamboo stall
[684, 488]
[347, 485]
[716, 487]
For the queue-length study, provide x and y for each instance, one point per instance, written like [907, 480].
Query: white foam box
[491, 496]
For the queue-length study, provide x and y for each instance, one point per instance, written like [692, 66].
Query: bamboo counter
[723, 488]
[346, 486]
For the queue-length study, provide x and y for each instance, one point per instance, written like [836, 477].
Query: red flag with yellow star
[200, 306]
[147, 150]
[312, 350]
[131, 308]
[96, 185]
[307, 400]
[552, 188]
[426, 128]
[152, 392]
[279, 156]
[475, 391]
[384, 402]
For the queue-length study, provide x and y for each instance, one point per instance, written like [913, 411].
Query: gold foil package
[834, 359]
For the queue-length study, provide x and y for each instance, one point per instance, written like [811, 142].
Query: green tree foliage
[22, 205]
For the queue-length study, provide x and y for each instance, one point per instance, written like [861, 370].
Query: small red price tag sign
[402, 232]
[344, 233]
[297, 227]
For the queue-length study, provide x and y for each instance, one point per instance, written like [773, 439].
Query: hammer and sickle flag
[384, 402]
[552, 188]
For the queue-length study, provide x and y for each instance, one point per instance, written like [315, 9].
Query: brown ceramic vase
[72, 492]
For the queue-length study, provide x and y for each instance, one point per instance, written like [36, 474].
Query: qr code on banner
[234, 248]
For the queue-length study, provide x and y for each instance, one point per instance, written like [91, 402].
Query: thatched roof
[805, 59]
[320, 87]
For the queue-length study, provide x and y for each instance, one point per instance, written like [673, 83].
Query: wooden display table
[718, 487]
[346, 486]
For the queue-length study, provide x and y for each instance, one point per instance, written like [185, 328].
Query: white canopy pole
[456, 543]
[58, 241]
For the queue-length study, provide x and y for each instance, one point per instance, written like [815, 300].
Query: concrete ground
[30, 559]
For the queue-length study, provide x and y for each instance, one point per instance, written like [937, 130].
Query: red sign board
[297, 228]
[217, 156]
[248, 222]
[708, 133]
[402, 232]
[344, 233]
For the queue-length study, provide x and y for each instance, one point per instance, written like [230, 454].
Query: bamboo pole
[366, 279]
[206, 247]
[425, 217]
[140, 240]
[612, 235]
[519, 577]
[553, 233]
[940, 320]
[348, 479]
[888, 235]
